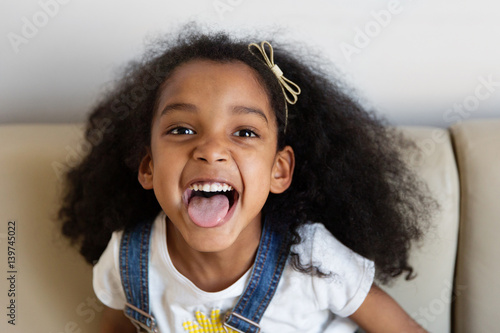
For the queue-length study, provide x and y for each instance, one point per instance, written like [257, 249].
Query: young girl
[228, 161]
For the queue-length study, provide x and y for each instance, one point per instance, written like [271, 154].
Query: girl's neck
[213, 271]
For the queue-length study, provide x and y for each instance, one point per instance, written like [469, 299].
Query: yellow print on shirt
[203, 324]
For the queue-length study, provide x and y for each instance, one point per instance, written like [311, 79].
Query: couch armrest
[477, 147]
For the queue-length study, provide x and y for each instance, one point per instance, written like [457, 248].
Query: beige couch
[456, 289]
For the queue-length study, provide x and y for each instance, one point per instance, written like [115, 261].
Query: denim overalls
[269, 263]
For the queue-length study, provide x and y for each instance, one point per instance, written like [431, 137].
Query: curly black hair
[349, 173]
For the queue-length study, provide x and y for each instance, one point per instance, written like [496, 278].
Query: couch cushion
[53, 290]
[477, 146]
[428, 297]
[54, 283]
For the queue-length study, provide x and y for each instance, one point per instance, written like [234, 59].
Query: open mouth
[208, 190]
[210, 203]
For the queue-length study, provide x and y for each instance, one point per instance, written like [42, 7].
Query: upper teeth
[213, 187]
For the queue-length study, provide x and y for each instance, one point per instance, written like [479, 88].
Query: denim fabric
[269, 263]
[134, 260]
[268, 267]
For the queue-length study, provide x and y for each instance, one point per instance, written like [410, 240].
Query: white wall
[416, 62]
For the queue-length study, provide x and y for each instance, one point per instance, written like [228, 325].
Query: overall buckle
[237, 315]
[142, 327]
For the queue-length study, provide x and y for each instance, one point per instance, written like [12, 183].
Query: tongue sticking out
[208, 212]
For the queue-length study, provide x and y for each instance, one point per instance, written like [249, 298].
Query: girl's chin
[213, 239]
[207, 244]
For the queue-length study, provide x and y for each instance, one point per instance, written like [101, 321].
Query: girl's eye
[181, 131]
[245, 133]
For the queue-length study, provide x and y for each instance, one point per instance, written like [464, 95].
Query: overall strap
[134, 262]
[268, 267]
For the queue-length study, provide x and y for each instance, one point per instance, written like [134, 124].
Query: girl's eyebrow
[178, 106]
[245, 109]
[192, 108]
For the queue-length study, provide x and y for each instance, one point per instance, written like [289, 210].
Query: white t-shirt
[302, 303]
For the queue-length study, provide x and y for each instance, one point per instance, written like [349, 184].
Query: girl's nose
[211, 151]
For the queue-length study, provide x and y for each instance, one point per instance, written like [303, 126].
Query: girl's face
[213, 157]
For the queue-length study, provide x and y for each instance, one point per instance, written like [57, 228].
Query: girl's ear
[145, 174]
[282, 172]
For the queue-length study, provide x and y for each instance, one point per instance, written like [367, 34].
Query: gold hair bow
[286, 85]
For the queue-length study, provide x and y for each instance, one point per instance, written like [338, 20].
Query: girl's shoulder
[113, 248]
[319, 248]
[314, 236]
[331, 274]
